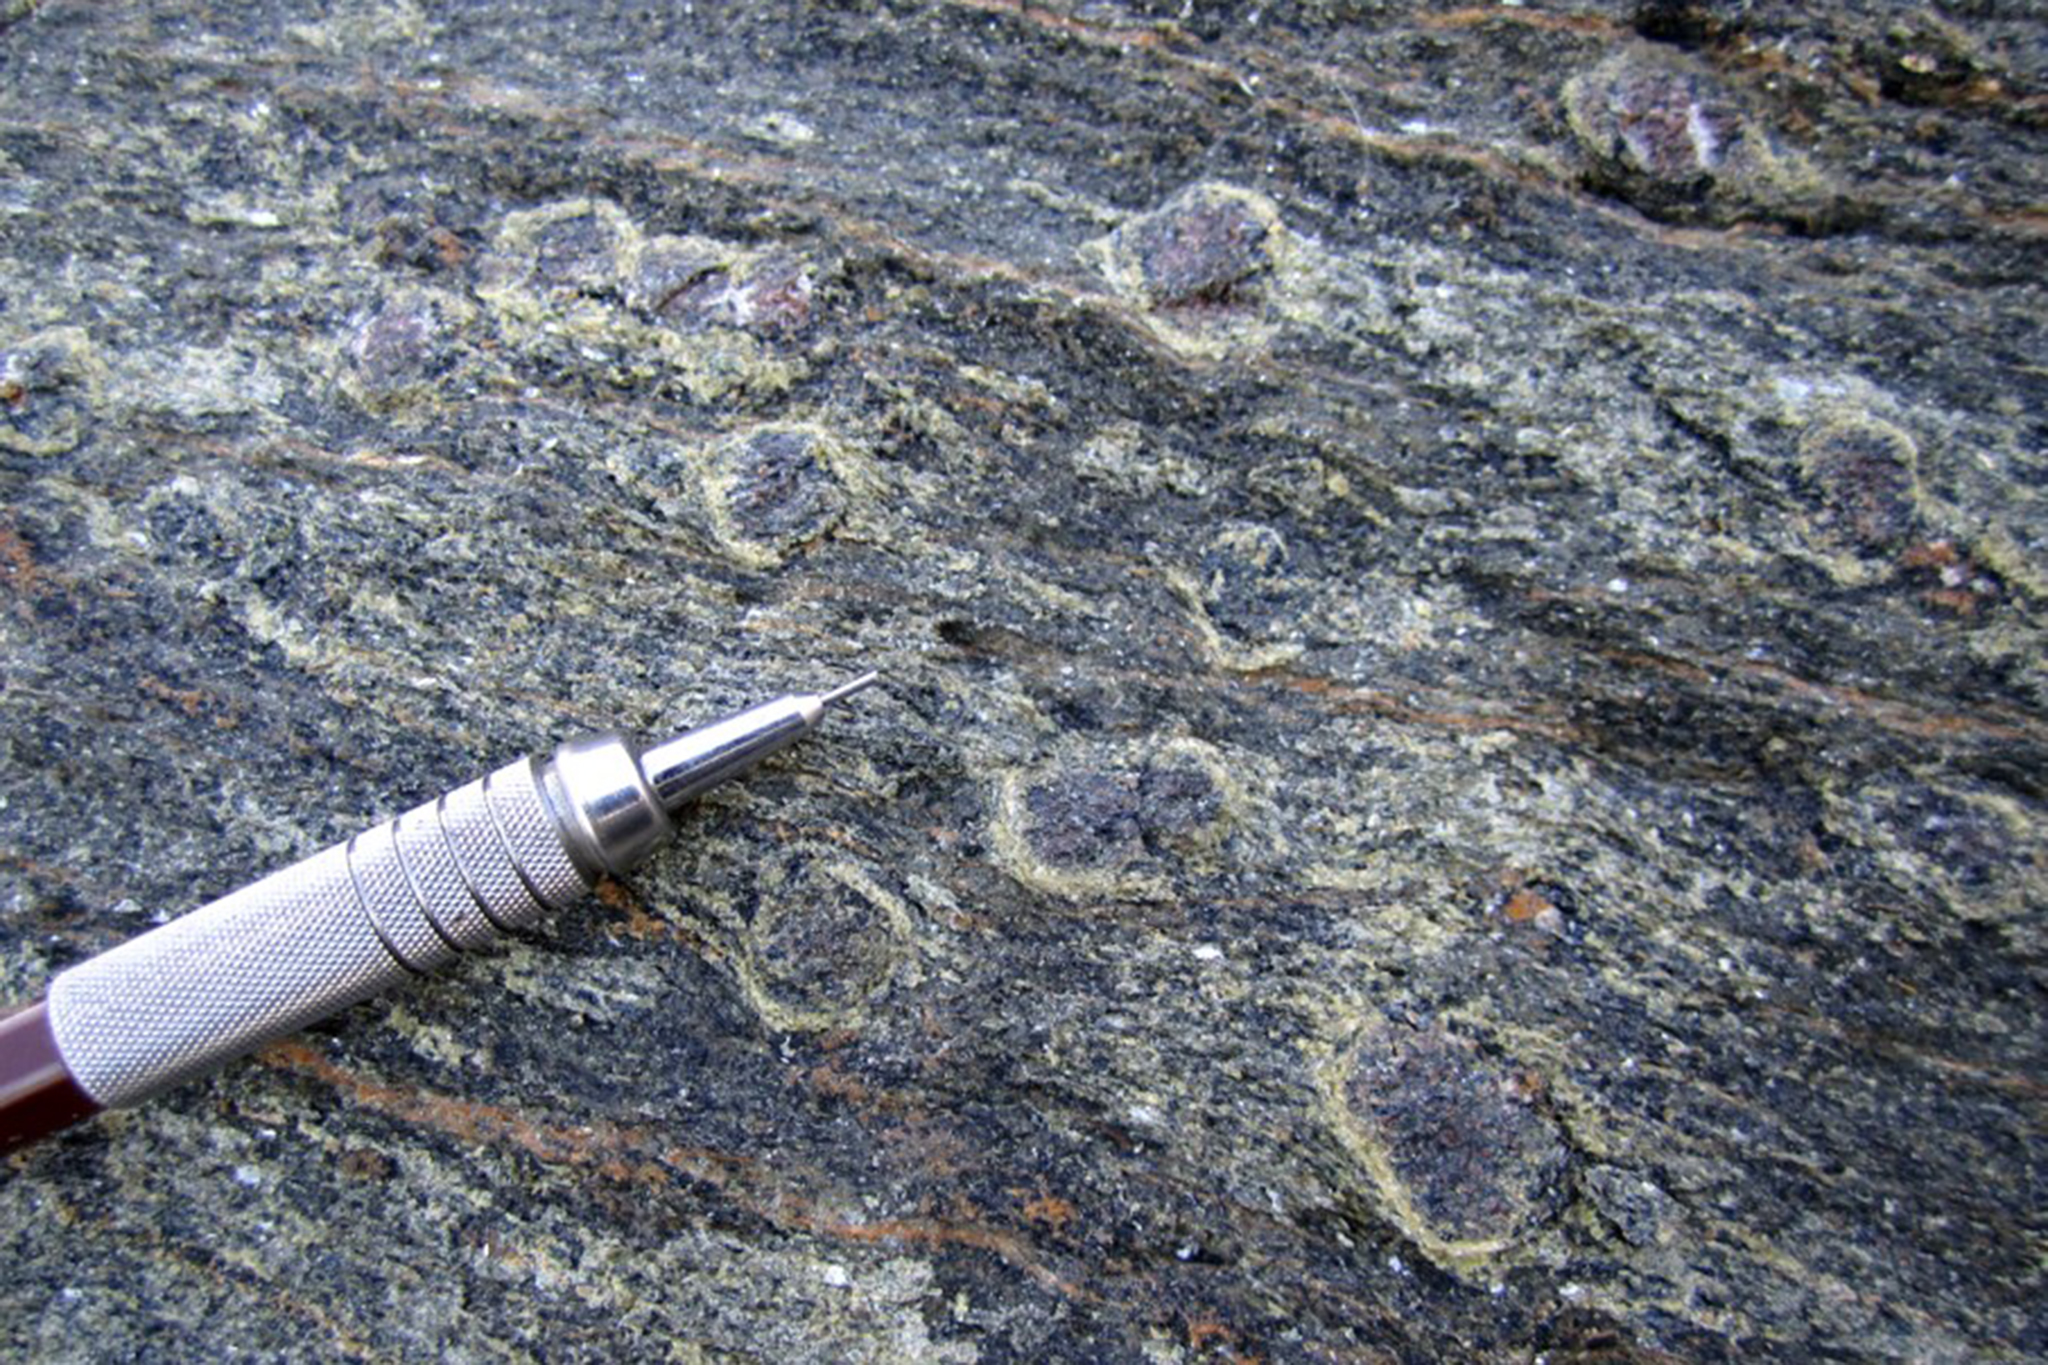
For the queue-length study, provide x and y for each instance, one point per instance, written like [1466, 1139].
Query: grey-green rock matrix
[1461, 774]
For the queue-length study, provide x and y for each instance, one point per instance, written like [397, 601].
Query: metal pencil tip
[838, 694]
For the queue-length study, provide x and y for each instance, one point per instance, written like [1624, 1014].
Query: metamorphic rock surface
[1461, 589]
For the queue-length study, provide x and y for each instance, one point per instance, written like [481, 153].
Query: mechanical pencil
[397, 900]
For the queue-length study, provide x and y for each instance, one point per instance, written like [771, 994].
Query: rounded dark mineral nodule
[1198, 249]
[1655, 132]
[1468, 1141]
[1248, 582]
[672, 278]
[1085, 819]
[579, 254]
[45, 402]
[781, 489]
[1864, 473]
[692, 284]
[822, 947]
[403, 341]
[1177, 800]
[773, 295]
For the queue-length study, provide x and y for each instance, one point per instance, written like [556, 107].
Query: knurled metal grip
[401, 898]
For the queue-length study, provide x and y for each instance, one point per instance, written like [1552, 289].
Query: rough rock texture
[1462, 590]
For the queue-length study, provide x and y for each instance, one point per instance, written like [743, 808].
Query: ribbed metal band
[312, 939]
[387, 897]
[486, 860]
[456, 908]
[532, 835]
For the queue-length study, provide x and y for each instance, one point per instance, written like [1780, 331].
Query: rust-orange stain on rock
[632, 1155]
[18, 572]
